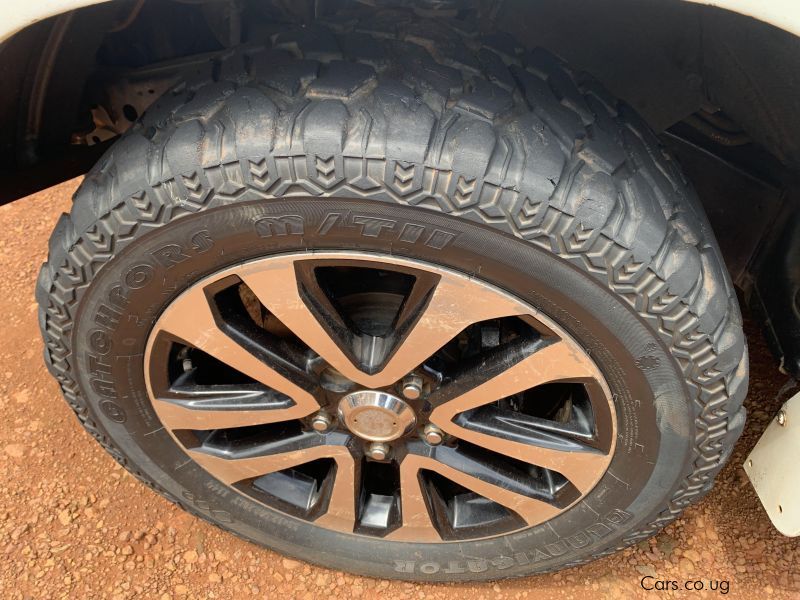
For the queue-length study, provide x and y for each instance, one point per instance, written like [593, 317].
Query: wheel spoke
[277, 289]
[221, 406]
[234, 466]
[341, 511]
[417, 524]
[523, 429]
[191, 320]
[516, 491]
[546, 363]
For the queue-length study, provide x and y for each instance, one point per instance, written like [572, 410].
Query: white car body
[784, 14]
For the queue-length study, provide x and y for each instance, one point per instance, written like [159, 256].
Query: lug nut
[412, 387]
[321, 422]
[378, 451]
[432, 434]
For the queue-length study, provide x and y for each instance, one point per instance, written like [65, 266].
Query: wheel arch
[17, 16]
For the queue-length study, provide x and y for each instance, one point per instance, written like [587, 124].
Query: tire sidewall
[654, 415]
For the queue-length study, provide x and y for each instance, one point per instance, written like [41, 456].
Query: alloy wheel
[380, 396]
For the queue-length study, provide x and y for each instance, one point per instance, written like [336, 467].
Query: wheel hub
[376, 416]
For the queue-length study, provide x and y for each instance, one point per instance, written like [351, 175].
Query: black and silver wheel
[380, 396]
[400, 299]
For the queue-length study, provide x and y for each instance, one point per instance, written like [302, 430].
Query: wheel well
[714, 84]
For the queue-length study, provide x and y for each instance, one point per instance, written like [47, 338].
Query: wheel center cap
[376, 416]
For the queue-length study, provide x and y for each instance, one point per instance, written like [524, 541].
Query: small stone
[290, 564]
[214, 578]
[692, 555]
[127, 551]
[686, 566]
[19, 531]
[666, 544]
[190, 556]
[64, 517]
[180, 590]
[646, 570]
[15, 450]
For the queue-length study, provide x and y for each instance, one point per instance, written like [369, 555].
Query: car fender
[17, 15]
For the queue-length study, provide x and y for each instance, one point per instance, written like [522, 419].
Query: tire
[516, 170]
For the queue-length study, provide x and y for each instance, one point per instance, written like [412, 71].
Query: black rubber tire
[503, 146]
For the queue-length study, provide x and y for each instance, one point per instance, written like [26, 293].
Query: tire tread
[426, 114]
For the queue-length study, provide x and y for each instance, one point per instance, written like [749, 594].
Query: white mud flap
[774, 468]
